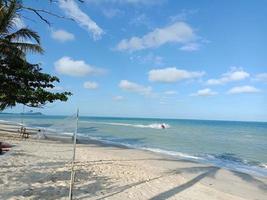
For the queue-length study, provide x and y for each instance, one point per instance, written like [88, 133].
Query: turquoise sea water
[240, 146]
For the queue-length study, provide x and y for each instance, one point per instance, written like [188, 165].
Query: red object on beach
[4, 147]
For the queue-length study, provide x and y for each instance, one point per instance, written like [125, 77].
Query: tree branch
[38, 11]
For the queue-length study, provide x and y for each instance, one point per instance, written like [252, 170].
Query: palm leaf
[7, 17]
[7, 48]
[24, 34]
[28, 47]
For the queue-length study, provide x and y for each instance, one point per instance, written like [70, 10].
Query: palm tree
[21, 81]
[15, 42]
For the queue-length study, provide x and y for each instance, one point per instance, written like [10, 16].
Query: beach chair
[23, 133]
[20, 130]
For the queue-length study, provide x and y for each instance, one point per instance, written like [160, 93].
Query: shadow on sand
[206, 172]
[50, 180]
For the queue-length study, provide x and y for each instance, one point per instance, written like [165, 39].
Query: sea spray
[153, 126]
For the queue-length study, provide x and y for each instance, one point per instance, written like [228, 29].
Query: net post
[22, 115]
[73, 157]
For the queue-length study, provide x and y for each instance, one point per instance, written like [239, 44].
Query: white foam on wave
[239, 166]
[227, 164]
[153, 126]
[54, 131]
[111, 142]
[172, 153]
[135, 146]
[10, 122]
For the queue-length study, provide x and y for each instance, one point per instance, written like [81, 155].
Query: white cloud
[151, 58]
[72, 10]
[148, 59]
[111, 12]
[179, 32]
[261, 77]
[62, 35]
[170, 92]
[205, 92]
[118, 98]
[68, 66]
[90, 85]
[141, 20]
[183, 15]
[134, 87]
[172, 74]
[190, 47]
[243, 89]
[235, 74]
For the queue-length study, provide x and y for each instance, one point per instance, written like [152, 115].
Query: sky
[156, 58]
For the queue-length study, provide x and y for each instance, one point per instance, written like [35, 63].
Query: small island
[26, 113]
[32, 113]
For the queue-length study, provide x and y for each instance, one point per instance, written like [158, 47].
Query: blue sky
[160, 58]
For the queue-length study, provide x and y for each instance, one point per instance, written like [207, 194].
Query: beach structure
[23, 132]
[73, 157]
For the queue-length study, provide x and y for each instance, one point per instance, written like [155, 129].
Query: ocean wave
[51, 131]
[153, 126]
[10, 122]
[230, 162]
[172, 153]
[224, 161]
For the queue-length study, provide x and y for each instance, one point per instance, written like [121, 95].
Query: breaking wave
[153, 126]
[226, 161]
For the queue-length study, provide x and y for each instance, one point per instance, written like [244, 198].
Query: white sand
[39, 169]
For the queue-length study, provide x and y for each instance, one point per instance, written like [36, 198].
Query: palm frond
[7, 16]
[28, 47]
[24, 34]
[7, 48]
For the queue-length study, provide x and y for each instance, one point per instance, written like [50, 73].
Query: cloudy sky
[157, 58]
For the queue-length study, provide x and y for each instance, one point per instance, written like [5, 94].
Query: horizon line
[132, 117]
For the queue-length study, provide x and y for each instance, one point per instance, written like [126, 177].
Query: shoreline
[240, 167]
[258, 170]
[114, 172]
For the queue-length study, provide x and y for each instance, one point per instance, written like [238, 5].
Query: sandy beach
[40, 169]
[133, 100]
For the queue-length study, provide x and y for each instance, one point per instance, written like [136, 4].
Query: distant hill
[32, 113]
[26, 113]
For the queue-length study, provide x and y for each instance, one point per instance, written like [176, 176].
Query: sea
[234, 145]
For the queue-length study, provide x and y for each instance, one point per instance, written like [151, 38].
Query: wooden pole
[73, 157]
